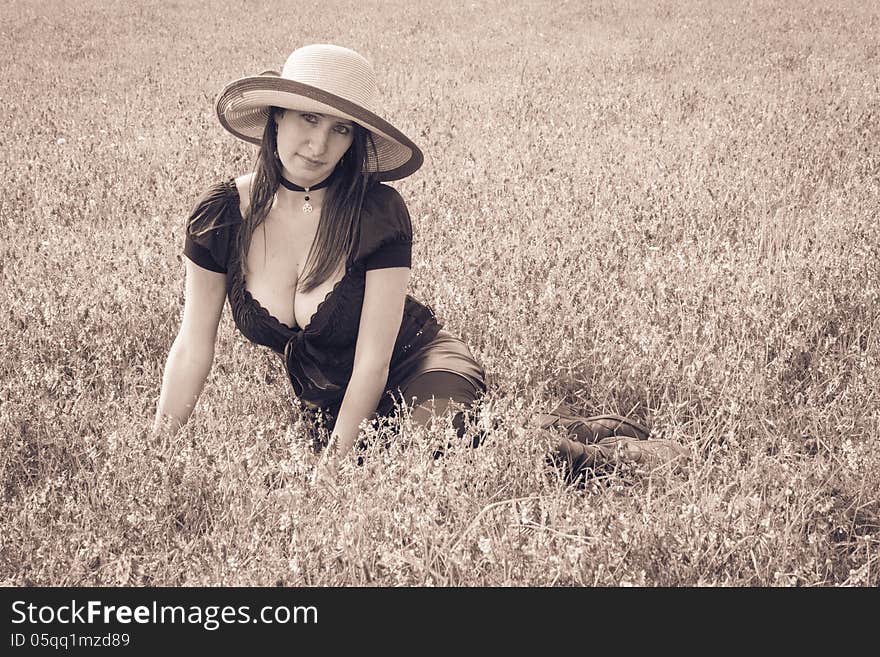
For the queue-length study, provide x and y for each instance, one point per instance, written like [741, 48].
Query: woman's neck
[307, 198]
[298, 185]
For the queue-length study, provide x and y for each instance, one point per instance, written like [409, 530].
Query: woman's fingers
[324, 478]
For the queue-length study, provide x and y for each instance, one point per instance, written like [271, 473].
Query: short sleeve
[386, 230]
[210, 226]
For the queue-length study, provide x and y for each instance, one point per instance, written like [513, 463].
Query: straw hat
[325, 79]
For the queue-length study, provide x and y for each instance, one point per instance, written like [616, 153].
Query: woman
[314, 254]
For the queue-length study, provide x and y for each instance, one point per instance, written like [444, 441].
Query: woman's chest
[277, 262]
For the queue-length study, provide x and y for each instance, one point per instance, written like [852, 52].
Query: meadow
[663, 209]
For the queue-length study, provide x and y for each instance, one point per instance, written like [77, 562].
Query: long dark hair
[339, 225]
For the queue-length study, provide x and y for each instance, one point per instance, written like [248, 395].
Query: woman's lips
[310, 162]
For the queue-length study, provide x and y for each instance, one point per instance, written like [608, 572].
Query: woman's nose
[318, 141]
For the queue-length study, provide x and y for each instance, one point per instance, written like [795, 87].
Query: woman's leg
[435, 394]
[589, 430]
[587, 443]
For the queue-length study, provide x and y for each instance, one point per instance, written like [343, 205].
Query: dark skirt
[445, 353]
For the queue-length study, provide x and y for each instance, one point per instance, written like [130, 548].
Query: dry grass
[669, 209]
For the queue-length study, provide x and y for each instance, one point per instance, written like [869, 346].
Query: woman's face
[311, 144]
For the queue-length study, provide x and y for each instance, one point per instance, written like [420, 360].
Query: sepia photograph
[454, 294]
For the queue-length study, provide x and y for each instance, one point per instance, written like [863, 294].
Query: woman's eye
[343, 129]
[311, 118]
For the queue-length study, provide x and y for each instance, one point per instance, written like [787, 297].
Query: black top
[319, 357]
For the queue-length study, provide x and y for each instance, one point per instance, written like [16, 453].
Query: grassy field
[668, 209]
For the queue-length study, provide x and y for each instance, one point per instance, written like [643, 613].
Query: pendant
[307, 207]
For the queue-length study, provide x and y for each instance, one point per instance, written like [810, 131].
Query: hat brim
[243, 109]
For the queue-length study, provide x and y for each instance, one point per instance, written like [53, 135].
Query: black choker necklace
[307, 207]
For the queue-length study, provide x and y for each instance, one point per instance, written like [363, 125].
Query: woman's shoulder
[242, 185]
[381, 196]
[386, 230]
[385, 210]
[212, 224]
[218, 206]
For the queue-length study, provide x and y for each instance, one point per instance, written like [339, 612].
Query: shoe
[579, 458]
[652, 453]
[590, 430]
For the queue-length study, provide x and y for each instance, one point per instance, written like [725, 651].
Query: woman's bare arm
[191, 354]
[381, 315]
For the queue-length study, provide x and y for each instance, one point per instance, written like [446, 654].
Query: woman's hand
[326, 473]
